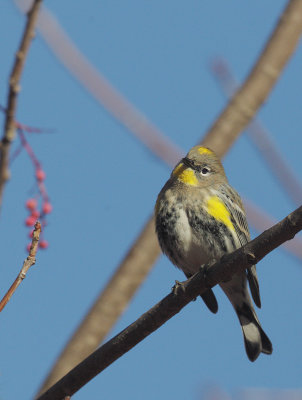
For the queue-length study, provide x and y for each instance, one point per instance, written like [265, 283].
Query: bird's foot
[178, 288]
[204, 268]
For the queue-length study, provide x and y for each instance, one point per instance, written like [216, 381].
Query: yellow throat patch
[218, 210]
[185, 175]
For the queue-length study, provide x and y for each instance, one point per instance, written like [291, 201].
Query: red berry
[40, 174]
[47, 208]
[30, 221]
[31, 204]
[43, 244]
[35, 214]
[28, 247]
[30, 235]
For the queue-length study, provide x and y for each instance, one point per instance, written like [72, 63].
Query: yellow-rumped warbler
[199, 217]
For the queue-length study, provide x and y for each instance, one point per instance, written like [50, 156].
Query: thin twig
[29, 261]
[221, 271]
[122, 286]
[14, 88]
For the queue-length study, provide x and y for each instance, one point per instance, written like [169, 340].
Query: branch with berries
[11, 125]
[39, 206]
[222, 270]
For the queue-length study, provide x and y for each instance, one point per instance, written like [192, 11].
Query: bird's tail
[255, 339]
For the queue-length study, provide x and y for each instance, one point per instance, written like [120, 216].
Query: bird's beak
[188, 163]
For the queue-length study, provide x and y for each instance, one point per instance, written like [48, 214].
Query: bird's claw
[204, 268]
[178, 288]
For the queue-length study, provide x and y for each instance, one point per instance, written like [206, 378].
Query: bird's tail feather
[255, 339]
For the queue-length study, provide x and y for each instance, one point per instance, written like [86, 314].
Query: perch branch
[223, 270]
[236, 116]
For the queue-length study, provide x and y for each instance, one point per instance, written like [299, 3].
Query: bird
[198, 218]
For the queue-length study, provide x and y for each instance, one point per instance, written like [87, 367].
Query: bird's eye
[205, 171]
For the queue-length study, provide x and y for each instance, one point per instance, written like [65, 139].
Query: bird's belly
[193, 257]
[184, 247]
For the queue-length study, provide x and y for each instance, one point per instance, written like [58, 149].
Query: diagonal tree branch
[221, 271]
[14, 88]
[121, 288]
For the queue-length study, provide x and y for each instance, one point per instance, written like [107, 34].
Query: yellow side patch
[204, 150]
[218, 210]
[185, 175]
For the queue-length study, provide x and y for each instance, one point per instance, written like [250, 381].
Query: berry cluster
[32, 206]
[42, 196]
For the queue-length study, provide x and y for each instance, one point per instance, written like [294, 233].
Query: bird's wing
[235, 207]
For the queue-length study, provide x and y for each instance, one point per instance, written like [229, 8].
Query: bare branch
[222, 270]
[30, 260]
[236, 115]
[14, 88]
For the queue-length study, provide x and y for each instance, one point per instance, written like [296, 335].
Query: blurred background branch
[97, 85]
[251, 95]
[261, 138]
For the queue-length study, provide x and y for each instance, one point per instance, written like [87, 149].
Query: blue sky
[103, 185]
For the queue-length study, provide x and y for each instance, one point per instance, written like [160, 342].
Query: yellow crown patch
[204, 150]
